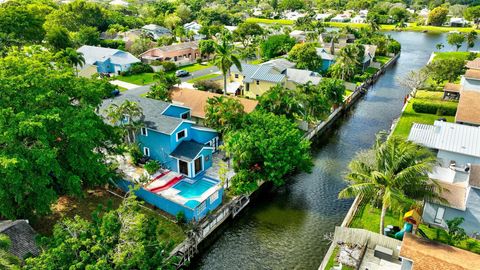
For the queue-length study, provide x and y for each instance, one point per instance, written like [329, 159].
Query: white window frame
[146, 151]
[193, 165]
[437, 219]
[144, 131]
[186, 134]
[214, 197]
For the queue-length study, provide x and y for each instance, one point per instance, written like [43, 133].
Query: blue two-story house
[184, 150]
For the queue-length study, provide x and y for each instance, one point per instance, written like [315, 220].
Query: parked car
[181, 73]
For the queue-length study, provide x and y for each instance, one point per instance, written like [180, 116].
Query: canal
[285, 228]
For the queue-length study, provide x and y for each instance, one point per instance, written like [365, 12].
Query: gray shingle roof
[152, 110]
[22, 236]
[187, 150]
[260, 73]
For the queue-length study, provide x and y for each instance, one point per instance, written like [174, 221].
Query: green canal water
[285, 227]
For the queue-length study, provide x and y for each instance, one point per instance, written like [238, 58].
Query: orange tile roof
[474, 64]
[472, 74]
[430, 255]
[196, 100]
[452, 87]
[468, 110]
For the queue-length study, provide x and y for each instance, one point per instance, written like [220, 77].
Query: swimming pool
[196, 189]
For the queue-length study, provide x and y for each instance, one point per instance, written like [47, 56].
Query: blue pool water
[196, 189]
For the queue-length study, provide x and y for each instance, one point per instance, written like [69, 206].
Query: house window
[439, 215]
[198, 165]
[181, 134]
[183, 167]
[258, 82]
[202, 207]
[146, 151]
[236, 76]
[144, 131]
[214, 196]
[185, 115]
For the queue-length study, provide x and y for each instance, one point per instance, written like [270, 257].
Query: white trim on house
[144, 131]
[202, 159]
[178, 167]
[185, 136]
[176, 105]
[146, 151]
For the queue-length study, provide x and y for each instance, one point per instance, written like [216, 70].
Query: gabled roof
[301, 76]
[196, 100]
[447, 136]
[22, 236]
[322, 52]
[152, 110]
[472, 74]
[94, 54]
[474, 64]
[187, 150]
[429, 255]
[468, 109]
[175, 47]
[156, 28]
[260, 73]
[280, 64]
[452, 87]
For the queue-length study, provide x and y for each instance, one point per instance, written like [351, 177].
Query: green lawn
[409, 116]
[371, 70]
[441, 235]
[139, 79]
[411, 27]
[270, 21]
[368, 218]
[204, 77]
[382, 59]
[256, 61]
[195, 67]
[447, 55]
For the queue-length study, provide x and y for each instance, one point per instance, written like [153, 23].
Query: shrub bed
[438, 108]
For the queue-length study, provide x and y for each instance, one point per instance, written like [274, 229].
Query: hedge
[438, 108]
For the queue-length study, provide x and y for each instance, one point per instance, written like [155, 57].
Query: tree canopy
[276, 45]
[305, 56]
[224, 113]
[50, 133]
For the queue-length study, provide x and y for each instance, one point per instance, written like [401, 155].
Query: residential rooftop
[457, 138]
[468, 109]
[196, 100]
[472, 74]
[92, 54]
[22, 236]
[429, 255]
[474, 64]
[452, 87]
[259, 73]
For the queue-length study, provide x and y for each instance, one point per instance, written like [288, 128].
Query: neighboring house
[107, 60]
[297, 77]
[458, 155]
[424, 13]
[196, 100]
[369, 55]
[195, 28]
[254, 80]
[230, 28]
[293, 15]
[328, 59]
[341, 18]
[156, 31]
[22, 236]
[457, 22]
[323, 17]
[186, 52]
[359, 19]
[298, 35]
[332, 43]
[280, 64]
[468, 94]
[423, 254]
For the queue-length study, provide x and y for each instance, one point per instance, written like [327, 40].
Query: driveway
[125, 85]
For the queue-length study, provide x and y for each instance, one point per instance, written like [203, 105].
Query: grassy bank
[270, 21]
[409, 116]
[451, 55]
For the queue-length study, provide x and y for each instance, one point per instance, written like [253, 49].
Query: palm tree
[347, 61]
[394, 174]
[72, 57]
[125, 115]
[471, 37]
[224, 59]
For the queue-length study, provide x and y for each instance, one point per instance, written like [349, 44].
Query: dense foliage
[266, 148]
[50, 133]
[125, 238]
[276, 45]
[224, 114]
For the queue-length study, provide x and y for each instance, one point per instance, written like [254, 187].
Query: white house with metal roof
[458, 171]
[255, 80]
[107, 60]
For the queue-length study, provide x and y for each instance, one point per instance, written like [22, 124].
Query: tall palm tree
[128, 115]
[347, 61]
[394, 173]
[73, 57]
[224, 59]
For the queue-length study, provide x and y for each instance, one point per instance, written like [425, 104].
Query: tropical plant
[8, 261]
[333, 90]
[160, 91]
[455, 232]
[348, 61]
[456, 39]
[224, 59]
[128, 115]
[224, 113]
[438, 16]
[393, 174]
[471, 37]
[439, 46]
[207, 47]
[72, 57]
[282, 101]
[448, 69]
[305, 56]
[276, 45]
[152, 166]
